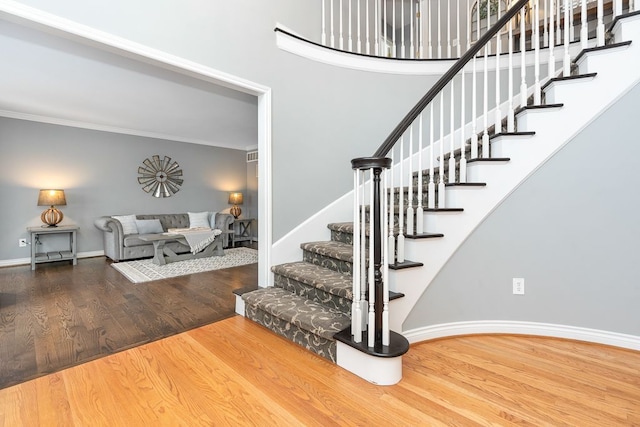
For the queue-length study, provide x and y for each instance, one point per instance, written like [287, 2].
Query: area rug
[144, 270]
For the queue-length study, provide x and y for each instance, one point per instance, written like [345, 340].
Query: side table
[241, 231]
[38, 257]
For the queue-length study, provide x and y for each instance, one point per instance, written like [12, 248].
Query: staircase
[311, 301]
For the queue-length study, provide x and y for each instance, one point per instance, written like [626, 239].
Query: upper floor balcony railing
[445, 29]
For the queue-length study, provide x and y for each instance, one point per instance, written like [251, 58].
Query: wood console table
[39, 257]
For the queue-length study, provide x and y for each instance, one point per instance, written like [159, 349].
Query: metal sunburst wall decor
[161, 178]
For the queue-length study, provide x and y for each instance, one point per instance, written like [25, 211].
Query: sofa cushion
[128, 223]
[149, 226]
[198, 219]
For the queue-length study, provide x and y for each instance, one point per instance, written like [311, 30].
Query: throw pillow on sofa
[149, 226]
[198, 219]
[128, 223]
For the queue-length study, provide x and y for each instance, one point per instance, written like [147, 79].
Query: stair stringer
[554, 128]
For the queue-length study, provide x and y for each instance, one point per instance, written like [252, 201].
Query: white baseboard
[443, 330]
[23, 261]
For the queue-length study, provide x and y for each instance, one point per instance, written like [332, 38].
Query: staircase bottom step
[323, 347]
[296, 318]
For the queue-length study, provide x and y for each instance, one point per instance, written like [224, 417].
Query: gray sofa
[120, 246]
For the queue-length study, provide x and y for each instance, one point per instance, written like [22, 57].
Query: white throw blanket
[198, 238]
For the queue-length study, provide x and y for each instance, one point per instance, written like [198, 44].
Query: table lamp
[235, 199]
[51, 216]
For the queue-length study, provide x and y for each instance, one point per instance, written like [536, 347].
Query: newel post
[370, 266]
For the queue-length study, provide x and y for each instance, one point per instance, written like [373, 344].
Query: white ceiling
[56, 80]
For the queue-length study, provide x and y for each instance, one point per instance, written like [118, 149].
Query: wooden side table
[241, 231]
[38, 257]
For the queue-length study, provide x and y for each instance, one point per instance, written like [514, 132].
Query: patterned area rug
[144, 270]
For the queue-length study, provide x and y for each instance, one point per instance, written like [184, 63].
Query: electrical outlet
[518, 286]
[22, 242]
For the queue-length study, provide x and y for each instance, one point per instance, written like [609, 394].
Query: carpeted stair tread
[327, 280]
[304, 313]
[332, 249]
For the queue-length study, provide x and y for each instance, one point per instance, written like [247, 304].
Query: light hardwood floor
[235, 372]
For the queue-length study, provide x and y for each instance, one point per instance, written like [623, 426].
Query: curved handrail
[404, 124]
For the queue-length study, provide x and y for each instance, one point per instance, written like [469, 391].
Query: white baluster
[366, 24]
[363, 254]
[523, 63]
[420, 209]
[458, 48]
[394, 51]
[537, 91]
[402, 47]
[356, 316]
[441, 201]
[498, 115]
[552, 59]
[463, 154]
[358, 29]
[511, 120]
[469, 29]
[340, 29]
[600, 30]
[545, 25]
[410, 212]
[474, 110]
[572, 28]
[412, 53]
[584, 30]
[376, 28]
[385, 266]
[439, 17]
[372, 286]
[558, 28]
[567, 58]
[449, 28]
[474, 94]
[430, 37]
[400, 242]
[420, 31]
[324, 26]
[485, 103]
[617, 8]
[350, 39]
[431, 189]
[333, 33]
[452, 159]
[392, 238]
[488, 46]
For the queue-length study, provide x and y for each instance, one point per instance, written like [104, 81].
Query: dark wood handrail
[446, 78]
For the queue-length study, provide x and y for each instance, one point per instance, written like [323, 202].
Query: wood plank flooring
[234, 372]
[60, 315]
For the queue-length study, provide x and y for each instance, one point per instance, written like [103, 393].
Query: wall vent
[252, 156]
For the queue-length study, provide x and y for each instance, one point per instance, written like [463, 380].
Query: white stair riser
[627, 30]
[565, 89]
[503, 147]
[600, 60]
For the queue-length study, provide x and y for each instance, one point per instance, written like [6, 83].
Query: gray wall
[99, 171]
[323, 116]
[571, 231]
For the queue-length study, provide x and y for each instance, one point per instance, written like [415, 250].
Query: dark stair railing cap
[371, 162]
[444, 80]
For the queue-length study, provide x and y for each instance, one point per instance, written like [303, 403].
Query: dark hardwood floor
[61, 315]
